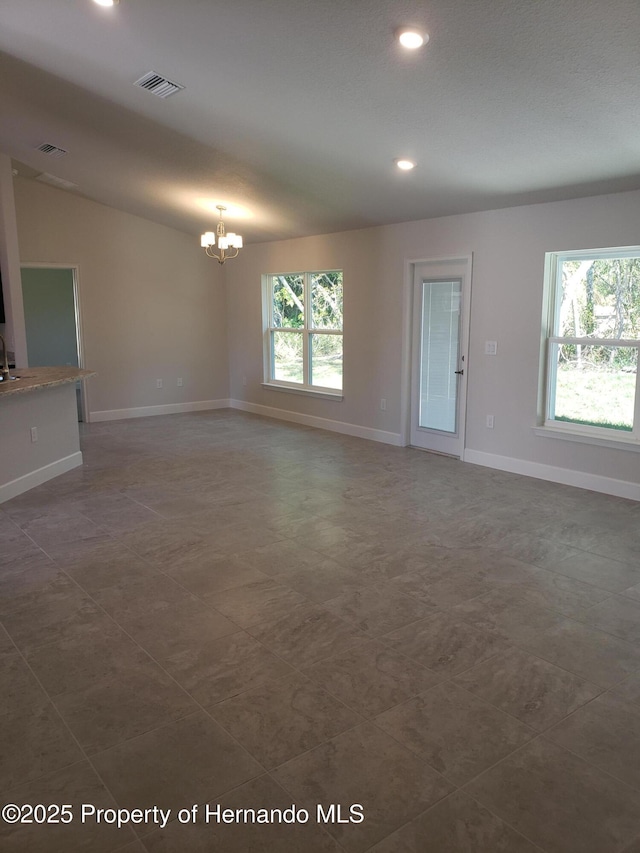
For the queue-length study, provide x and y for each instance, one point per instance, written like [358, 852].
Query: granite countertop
[36, 378]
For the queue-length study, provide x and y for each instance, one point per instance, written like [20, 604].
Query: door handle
[459, 372]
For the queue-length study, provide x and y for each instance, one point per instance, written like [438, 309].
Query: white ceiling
[294, 110]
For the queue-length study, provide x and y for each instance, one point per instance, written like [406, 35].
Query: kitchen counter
[36, 378]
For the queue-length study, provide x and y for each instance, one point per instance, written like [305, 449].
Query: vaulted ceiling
[294, 111]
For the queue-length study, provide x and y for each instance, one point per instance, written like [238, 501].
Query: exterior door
[440, 296]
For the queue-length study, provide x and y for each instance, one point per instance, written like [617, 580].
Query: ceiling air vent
[51, 150]
[158, 85]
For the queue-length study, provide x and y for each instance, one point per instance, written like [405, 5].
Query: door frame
[75, 273]
[407, 347]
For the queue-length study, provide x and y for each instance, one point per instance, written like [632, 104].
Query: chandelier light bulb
[411, 38]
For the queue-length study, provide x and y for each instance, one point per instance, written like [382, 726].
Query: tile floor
[220, 608]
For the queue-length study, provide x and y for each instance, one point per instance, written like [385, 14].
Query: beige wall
[153, 307]
[508, 248]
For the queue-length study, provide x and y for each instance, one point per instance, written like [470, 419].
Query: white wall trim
[356, 430]
[148, 411]
[566, 476]
[36, 478]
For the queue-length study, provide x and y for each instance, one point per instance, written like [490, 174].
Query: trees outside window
[593, 341]
[303, 330]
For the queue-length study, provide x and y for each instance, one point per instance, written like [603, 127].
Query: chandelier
[229, 244]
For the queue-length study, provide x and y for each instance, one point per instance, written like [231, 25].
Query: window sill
[587, 438]
[306, 392]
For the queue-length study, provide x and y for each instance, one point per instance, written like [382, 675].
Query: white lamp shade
[238, 241]
[223, 243]
[208, 239]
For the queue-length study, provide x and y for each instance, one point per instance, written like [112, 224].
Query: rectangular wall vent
[51, 150]
[158, 85]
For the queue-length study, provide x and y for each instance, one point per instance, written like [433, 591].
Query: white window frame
[306, 331]
[551, 313]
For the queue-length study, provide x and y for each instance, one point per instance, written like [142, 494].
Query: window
[303, 331]
[592, 342]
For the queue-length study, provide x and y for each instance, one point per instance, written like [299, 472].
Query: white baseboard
[36, 478]
[148, 411]
[320, 423]
[566, 476]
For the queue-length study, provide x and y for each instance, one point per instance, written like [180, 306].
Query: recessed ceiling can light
[107, 2]
[405, 165]
[411, 38]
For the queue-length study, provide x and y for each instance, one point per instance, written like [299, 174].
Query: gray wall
[508, 248]
[152, 305]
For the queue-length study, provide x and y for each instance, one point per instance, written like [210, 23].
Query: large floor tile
[74, 785]
[222, 668]
[618, 616]
[600, 571]
[444, 643]
[257, 601]
[367, 767]
[371, 677]
[535, 691]
[456, 824]
[507, 615]
[592, 654]
[378, 609]
[135, 700]
[322, 580]
[179, 628]
[77, 663]
[457, 734]
[560, 802]
[240, 837]
[206, 576]
[284, 718]
[34, 741]
[65, 614]
[19, 689]
[279, 557]
[186, 762]
[606, 732]
[307, 636]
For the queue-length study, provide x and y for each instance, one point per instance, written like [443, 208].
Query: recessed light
[405, 165]
[107, 2]
[411, 38]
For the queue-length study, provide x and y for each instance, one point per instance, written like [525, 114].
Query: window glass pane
[326, 361]
[599, 298]
[594, 385]
[287, 356]
[326, 300]
[288, 301]
[439, 355]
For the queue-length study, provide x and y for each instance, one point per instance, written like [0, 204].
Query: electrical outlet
[489, 421]
[180, 382]
[383, 405]
[158, 383]
[34, 434]
[490, 347]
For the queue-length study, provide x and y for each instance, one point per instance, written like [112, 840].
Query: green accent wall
[49, 313]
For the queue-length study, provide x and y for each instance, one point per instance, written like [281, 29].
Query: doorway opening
[52, 320]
